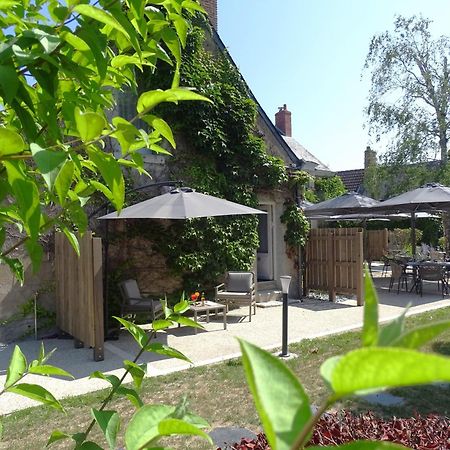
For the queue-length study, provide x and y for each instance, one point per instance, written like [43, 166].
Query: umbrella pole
[413, 234]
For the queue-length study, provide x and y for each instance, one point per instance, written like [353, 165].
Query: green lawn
[219, 393]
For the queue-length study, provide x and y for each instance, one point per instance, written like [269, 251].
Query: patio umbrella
[430, 197]
[427, 198]
[348, 203]
[182, 203]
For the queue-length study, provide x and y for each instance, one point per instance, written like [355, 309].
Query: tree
[409, 94]
[61, 64]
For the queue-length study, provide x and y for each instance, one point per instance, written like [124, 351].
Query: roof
[352, 179]
[277, 135]
[303, 154]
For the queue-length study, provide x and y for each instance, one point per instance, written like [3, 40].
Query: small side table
[197, 307]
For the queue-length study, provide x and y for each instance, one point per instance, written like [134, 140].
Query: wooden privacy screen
[375, 244]
[334, 262]
[79, 291]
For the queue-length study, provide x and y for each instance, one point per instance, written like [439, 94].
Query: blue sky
[310, 55]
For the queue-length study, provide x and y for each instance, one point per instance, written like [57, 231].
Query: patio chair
[238, 289]
[133, 302]
[432, 272]
[399, 275]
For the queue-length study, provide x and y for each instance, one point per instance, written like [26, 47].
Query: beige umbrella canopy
[182, 203]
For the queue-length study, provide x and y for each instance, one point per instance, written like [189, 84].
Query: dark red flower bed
[419, 432]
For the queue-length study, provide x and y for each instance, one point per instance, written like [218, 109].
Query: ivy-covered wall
[220, 153]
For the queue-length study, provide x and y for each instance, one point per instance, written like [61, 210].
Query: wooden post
[331, 266]
[99, 333]
[359, 269]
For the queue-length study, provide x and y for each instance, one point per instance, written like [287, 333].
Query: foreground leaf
[392, 331]
[154, 421]
[379, 368]
[49, 370]
[109, 422]
[17, 367]
[10, 142]
[421, 335]
[38, 393]
[280, 399]
[140, 336]
[370, 326]
[163, 349]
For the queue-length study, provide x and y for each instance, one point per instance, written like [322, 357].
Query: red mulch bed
[418, 432]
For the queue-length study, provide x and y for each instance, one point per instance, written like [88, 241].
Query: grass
[219, 393]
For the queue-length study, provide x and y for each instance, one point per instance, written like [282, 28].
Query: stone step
[268, 295]
[266, 285]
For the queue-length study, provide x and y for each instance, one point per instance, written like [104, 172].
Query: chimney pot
[370, 157]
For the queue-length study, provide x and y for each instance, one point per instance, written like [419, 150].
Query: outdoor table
[207, 306]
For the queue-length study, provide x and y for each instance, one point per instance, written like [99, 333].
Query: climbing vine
[297, 226]
[219, 154]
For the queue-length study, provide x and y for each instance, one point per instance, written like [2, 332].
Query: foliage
[329, 187]
[342, 427]
[149, 423]
[353, 374]
[400, 239]
[409, 91]
[60, 65]
[297, 226]
[223, 156]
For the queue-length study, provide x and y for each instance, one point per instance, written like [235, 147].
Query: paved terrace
[307, 319]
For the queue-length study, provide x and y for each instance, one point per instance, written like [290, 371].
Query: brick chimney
[370, 157]
[283, 120]
[211, 8]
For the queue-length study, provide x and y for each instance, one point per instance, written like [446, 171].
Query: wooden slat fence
[376, 244]
[79, 289]
[334, 262]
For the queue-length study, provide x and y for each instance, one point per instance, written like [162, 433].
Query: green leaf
[362, 445]
[1, 430]
[187, 94]
[186, 321]
[370, 326]
[16, 368]
[38, 393]
[35, 252]
[137, 332]
[11, 142]
[16, 267]
[161, 324]
[71, 237]
[75, 41]
[272, 384]
[63, 181]
[153, 421]
[137, 371]
[161, 126]
[89, 445]
[111, 173]
[112, 379]
[50, 370]
[57, 436]
[132, 396]
[163, 349]
[170, 38]
[327, 368]
[101, 16]
[48, 162]
[148, 100]
[27, 196]
[419, 336]
[384, 367]
[181, 306]
[9, 82]
[392, 331]
[89, 124]
[109, 422]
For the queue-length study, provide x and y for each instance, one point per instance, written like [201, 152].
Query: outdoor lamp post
[285, 281]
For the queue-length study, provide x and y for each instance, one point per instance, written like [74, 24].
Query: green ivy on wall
[219, 154]
[297, 226]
